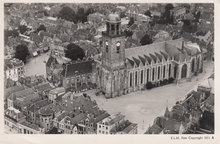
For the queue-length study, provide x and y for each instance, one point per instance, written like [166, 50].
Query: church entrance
[184, 71]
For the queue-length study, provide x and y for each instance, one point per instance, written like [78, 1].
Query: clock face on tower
[118, 44]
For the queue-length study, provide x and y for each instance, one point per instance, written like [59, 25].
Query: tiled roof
[11, 90]
[22, 93]
[129, 128]
[154, 129]
[78, 68]
[30, 125]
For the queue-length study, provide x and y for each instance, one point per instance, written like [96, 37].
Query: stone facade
[122, 71]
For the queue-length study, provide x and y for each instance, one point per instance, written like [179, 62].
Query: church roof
[160, 50]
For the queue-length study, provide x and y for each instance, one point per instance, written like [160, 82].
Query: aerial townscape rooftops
[108, 68]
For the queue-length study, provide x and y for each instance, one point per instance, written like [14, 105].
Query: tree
[168, 17]
[146, 40]
[21, 52]
[149, 85]
[81, 15]
[41, 27]
[68, 14]
[148, 13]
[131, 21]
[23, 29]
[74, 52]
[128, 33]
[189, 26]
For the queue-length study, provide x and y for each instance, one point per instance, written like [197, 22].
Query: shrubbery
[151, 85]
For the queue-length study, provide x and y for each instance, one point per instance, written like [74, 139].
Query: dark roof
[78, 68]
[50, 60]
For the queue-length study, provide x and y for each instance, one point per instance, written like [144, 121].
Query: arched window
[130, 79]
[136, 78]
[147, 75]
[169, 70]
[142, 74]
[193, 65]
[153, 74]
[158, 73]
[164, 71]
[184, 71]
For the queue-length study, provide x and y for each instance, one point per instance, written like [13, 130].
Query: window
[169, 70]
[130, 79]
[103, 132]
[158, 73]
[106, 127]
[117, 49]
[153, 74]
[135, 78]
[142, 76]
[164, 70]
[99, 131]
[147, 75]
[99, 126]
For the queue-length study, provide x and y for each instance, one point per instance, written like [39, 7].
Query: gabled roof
[143, 60]
[130, 61]
[136, 61]
[78, 68]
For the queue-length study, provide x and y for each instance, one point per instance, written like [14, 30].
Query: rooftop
[78, 68]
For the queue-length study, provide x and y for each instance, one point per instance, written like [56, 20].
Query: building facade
[14, 69]
[122, 71]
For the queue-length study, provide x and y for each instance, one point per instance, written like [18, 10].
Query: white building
[14, 69]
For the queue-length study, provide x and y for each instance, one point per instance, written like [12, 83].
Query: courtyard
[142, 107]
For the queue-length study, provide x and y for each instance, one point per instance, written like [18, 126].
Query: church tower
[113, 49]
[113, 58]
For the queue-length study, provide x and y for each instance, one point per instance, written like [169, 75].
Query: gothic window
[184, 71]
[107, 26]
[158, 73]
[130, 79]
[147, 75]
[169, 70]
[117, 28]
[164, 71]
[142, 76]
[135, 78]
[193, 65]
[153, 74]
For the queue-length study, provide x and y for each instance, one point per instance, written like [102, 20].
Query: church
[125, 70]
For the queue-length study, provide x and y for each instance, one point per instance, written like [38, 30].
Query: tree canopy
[21, 52]
[41, 27]
[131, 21]
[80, 16]
[74, 52]
[146, 39]
[23, 29]
[148, 13]
[168, 17]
